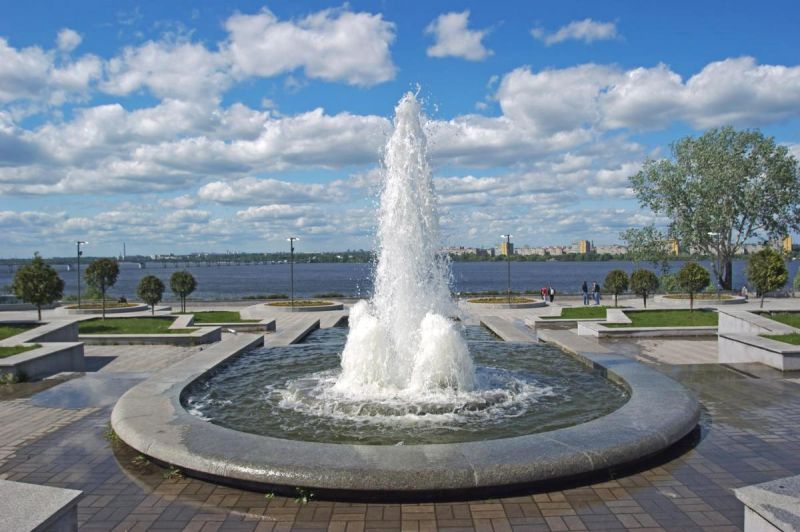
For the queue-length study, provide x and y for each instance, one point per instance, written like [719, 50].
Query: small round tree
[182, 284]
[37, 283]
[767, 271]
[796, 282]
[616, 282]
[101, 275]
[150, 290]
[643, 283]
[693, 278]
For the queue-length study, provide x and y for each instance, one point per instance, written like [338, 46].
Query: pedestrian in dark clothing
[585, 290]
[552, 292]
[596, 292]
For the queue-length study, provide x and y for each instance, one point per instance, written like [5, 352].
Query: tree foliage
[643, 283]
[101, 275]
[693, 278]
[150, 290]
[736, 185]
[182, 285]
[616, 282]
[767, 271]
[37, 283]
[647, 244]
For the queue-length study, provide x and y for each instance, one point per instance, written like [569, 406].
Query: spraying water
[403, 340]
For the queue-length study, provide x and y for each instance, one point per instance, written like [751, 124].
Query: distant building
[610, 249]
[463, 250]
[584, 247]
[506, 248]
[528, 250]
[674, 247]
[787, 244]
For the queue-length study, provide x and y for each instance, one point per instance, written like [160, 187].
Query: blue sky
[180, 126]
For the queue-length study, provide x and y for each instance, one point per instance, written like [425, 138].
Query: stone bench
[29, 507]
[772, 505]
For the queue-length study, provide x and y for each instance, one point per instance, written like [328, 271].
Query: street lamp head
[713, 233]
[506, 236]
[292, 238]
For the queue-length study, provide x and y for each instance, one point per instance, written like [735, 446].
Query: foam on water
[403, 340]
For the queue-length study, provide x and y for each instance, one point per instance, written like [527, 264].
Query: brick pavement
[750, 434]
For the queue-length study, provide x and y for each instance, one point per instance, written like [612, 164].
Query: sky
[228, 126]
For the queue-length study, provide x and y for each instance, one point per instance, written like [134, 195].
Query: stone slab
[51, 331]
[28, 507]
[745, 322]
[508, 330]
[203, 335]
[293, 331]
[598, 330]
[772, 505]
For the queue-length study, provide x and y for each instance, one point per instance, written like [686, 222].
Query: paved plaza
[750, 432]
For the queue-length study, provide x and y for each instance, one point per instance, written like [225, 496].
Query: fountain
[403, 404]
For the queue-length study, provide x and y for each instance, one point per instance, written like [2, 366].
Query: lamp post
[717, 261]
[291, 240]
[79, 243]
[508, 264]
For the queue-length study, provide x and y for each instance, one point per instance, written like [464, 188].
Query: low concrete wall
[532, 304]
[745, 322]
[771, 506]
[745, 348]
[116, 310]
[45, 361]
[599, 330]
[664, 300]
[54, 331]
[203, 335]
[262, 326]
[318, 308]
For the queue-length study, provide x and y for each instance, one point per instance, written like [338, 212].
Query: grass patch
[579, 313]
[669, 318]
[7, 331]
[500, 300]
[793, 338]
[300, 303]
[792, 319]
[16, 349]
[699, 297]
[130, 326]
[219, 316]
[99, 306]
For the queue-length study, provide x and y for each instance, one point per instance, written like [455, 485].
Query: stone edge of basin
[151, 419]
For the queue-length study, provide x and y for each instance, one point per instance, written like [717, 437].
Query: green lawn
[793, 338]
[130, 326]
[300, 303]
[219, 316]
[7, 331]
[669, 318]
[792, 319]
[579, 313]
[16, 349]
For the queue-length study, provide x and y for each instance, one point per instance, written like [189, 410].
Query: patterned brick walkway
[751, 433]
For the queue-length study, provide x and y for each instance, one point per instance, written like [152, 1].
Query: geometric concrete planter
[203, 335]
[54, 331]
[659, 413]
[771, 506]
[300, 308]
[599, 330]
[92, 311]
[742, 348]
[31, 507]
[684, 302]
[532, 304]
[45, 361]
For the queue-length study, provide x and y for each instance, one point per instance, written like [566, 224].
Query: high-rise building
[787, 244]
[506, 248]
[584, 247]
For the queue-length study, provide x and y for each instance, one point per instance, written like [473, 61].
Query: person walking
[596, 292]
[543, 291]
[552, 292]
[585, 290]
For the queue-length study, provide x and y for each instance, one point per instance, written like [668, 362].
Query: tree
[182, 284]
[693, 278]
[796, 282]
[722, 189]
[37, 283]
[101, 275]
[767, 271]
[150, 290]
[647, 244]
[643, 283]
[616, 282]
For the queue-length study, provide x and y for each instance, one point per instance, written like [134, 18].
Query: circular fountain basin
[658, 413]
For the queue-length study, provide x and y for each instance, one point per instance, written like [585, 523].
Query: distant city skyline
[231, 125]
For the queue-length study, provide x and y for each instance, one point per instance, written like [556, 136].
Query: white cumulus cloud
[454, 39]
[68, 39]
[586, 30]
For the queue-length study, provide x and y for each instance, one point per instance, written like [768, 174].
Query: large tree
[182, 284]
[101, 275]
[722, 189]
[37, 283]
[647, 244]
[767, 271]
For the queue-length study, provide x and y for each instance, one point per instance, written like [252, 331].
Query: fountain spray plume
[403, 339]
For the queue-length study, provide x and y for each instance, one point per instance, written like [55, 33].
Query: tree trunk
[644, 299]
[615, 300]
[39, 310]
[726, 282]
[691, 301]
[153, 309]
[762, 299]
[104, 303]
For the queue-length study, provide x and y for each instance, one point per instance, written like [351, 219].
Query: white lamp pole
[79, 243]
[508, 263]
[291, 240]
